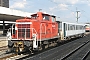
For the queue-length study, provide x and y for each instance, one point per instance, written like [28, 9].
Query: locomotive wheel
[42, 47]
[18, 47]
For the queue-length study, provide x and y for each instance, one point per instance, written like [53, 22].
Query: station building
[10, 15]
[4, 3]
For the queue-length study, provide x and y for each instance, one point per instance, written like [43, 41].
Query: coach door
[64, 29]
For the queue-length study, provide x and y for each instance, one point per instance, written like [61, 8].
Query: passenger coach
[71, 30]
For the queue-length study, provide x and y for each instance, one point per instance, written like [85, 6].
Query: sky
[64, 10]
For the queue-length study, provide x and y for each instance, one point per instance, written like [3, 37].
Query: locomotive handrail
[36, 36]
[12, 28]
[41, 30]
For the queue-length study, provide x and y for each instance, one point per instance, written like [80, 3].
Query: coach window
[71, 27]
[60, 26]
[81, 27]
[84, 27]
[68, 27]
[76, 27]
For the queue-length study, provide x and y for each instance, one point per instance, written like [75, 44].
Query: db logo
[53, 25]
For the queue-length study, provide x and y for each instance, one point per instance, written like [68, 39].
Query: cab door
[54, 26]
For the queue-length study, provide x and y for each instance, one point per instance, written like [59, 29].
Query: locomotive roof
[44, 14]
[53, 15]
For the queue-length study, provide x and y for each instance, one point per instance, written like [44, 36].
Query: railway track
[64, 51]
[86, 55]
[4, 55]
[71, 55]
[3, 48]
[12, 56]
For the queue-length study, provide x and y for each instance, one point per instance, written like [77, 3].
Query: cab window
[53, 18]
[46, 17]
[34, 16]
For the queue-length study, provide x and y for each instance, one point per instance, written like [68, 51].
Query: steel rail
[17, 57]
[86, 55]
[5, 56]
[73, 51]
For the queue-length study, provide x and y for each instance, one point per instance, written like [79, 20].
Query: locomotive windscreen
[24, 31]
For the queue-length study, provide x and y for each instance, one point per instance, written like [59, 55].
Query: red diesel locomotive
[33, 33]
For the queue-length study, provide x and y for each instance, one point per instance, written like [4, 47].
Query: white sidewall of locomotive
[34, 41]
[9, 36]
